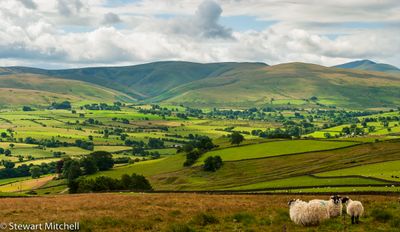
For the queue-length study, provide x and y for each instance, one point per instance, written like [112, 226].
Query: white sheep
[353, 208]
[307, 213]
[334, 205]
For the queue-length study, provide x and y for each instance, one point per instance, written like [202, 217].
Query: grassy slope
[350, 88]
[146, 79]
[237, 173]
[384, 170]
[30, 89]
[187, 212]
[273, 149]
[241, 84]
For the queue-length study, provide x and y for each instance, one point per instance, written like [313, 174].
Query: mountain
[33, 89]
[369, 66]
[145, 80]
[292, 83]
[224, 84]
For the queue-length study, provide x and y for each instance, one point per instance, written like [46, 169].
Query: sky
[79, 33]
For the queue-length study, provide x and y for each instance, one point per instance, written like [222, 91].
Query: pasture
[190, 212]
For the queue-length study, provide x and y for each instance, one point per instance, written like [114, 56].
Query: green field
[384, 170]
[274, 149]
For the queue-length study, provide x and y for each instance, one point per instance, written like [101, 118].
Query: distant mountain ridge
[369, 65]
[223, 84]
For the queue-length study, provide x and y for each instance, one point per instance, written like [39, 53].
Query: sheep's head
[336, 199]
[291, 202]
[345, 199]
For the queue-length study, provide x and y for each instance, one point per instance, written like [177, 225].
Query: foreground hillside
[189, 212]
[237, 84]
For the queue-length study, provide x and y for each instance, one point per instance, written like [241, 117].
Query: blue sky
[75, 33]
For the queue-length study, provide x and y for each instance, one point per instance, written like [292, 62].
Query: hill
[238, 84]
[145, 80]
[290, 83]
[369, 66]
[33, 89]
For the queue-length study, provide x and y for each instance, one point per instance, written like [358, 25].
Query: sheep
[334, 205]
[307, 213]
[296, 209]
[353, 208]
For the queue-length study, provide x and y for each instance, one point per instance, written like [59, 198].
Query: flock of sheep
[315, 211]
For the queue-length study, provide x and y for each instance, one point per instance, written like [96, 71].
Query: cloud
[110, 19]
[30, 4]
[202, 24]
[69, 7]
[192, 30]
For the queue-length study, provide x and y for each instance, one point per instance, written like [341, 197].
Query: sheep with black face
[334, 205]
[353, 208]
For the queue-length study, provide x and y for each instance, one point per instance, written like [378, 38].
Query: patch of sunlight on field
[26, 185]
[147, 168]
[384, 170]
[269, 149]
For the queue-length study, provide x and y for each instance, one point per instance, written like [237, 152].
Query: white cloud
[35, 32]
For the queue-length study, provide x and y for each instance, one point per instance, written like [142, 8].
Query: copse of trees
[197, 147]
[236, 138]
[212, 163]
[10, 171]
[65, 105]
[132, 182]
[71, 169]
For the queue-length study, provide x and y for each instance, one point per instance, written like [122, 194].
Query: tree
[103, 159]
[7, 152]
[3, 135]
[12, 145]
[236, 138]
[8, 164]
[35, 171]
[155, 143]
[1, 150]
[27, 108]
[212, 163]
[89, 165]
[71, 169]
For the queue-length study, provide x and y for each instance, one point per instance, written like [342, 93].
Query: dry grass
[180, 212]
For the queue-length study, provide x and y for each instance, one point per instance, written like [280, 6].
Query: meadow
[190, 212]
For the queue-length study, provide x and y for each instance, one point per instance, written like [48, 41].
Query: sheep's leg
[357, 219]
[352, 219]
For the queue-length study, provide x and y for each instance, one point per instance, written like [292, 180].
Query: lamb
[353, 208]
[334, 205]
[307, 213]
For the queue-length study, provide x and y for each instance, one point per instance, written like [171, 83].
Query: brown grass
[177, 212]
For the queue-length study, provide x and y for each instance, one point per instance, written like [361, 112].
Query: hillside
[145, 80]
[32, 89]
[369, 66]
[292, 83]
[236, 84]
